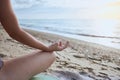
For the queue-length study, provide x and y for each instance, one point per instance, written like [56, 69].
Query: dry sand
[94, 60]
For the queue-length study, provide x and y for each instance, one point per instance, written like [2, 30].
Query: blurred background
[96, 21]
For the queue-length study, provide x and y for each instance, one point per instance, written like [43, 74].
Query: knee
[53, 56]
[48, 57]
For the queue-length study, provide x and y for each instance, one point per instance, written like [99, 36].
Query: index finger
[64, 46]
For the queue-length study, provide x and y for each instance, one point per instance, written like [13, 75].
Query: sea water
[104, 32]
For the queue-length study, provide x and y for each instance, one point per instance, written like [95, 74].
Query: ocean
[104, 32]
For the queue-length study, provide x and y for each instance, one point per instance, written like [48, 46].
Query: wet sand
[89, 59]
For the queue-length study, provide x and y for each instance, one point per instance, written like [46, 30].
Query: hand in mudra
[58, 46]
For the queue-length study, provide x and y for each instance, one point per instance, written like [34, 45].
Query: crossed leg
[23, 68]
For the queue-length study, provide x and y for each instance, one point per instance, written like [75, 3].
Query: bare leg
[25, 67]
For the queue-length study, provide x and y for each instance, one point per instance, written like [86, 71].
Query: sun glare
[111, 11]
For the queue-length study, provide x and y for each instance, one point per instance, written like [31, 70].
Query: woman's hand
[58, 46]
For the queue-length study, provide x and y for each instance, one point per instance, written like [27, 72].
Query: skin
[23, 68]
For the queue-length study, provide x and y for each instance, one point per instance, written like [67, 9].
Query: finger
[62, 47]
[66, 45]
[60, 43]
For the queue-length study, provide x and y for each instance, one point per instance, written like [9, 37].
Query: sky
[66, 9]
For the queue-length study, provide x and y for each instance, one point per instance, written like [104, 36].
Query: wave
[99, 36]
[70, 32]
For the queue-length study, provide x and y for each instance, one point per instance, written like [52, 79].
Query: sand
[90, 59]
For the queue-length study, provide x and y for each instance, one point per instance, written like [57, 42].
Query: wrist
[47, 49]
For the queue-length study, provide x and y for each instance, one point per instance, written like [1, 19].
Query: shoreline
[75, 43]
[64, 37]
[85, 38]
[97, 61]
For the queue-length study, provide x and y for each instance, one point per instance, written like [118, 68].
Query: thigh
[24, 67]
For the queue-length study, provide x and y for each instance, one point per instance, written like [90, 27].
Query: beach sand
[94, 60]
